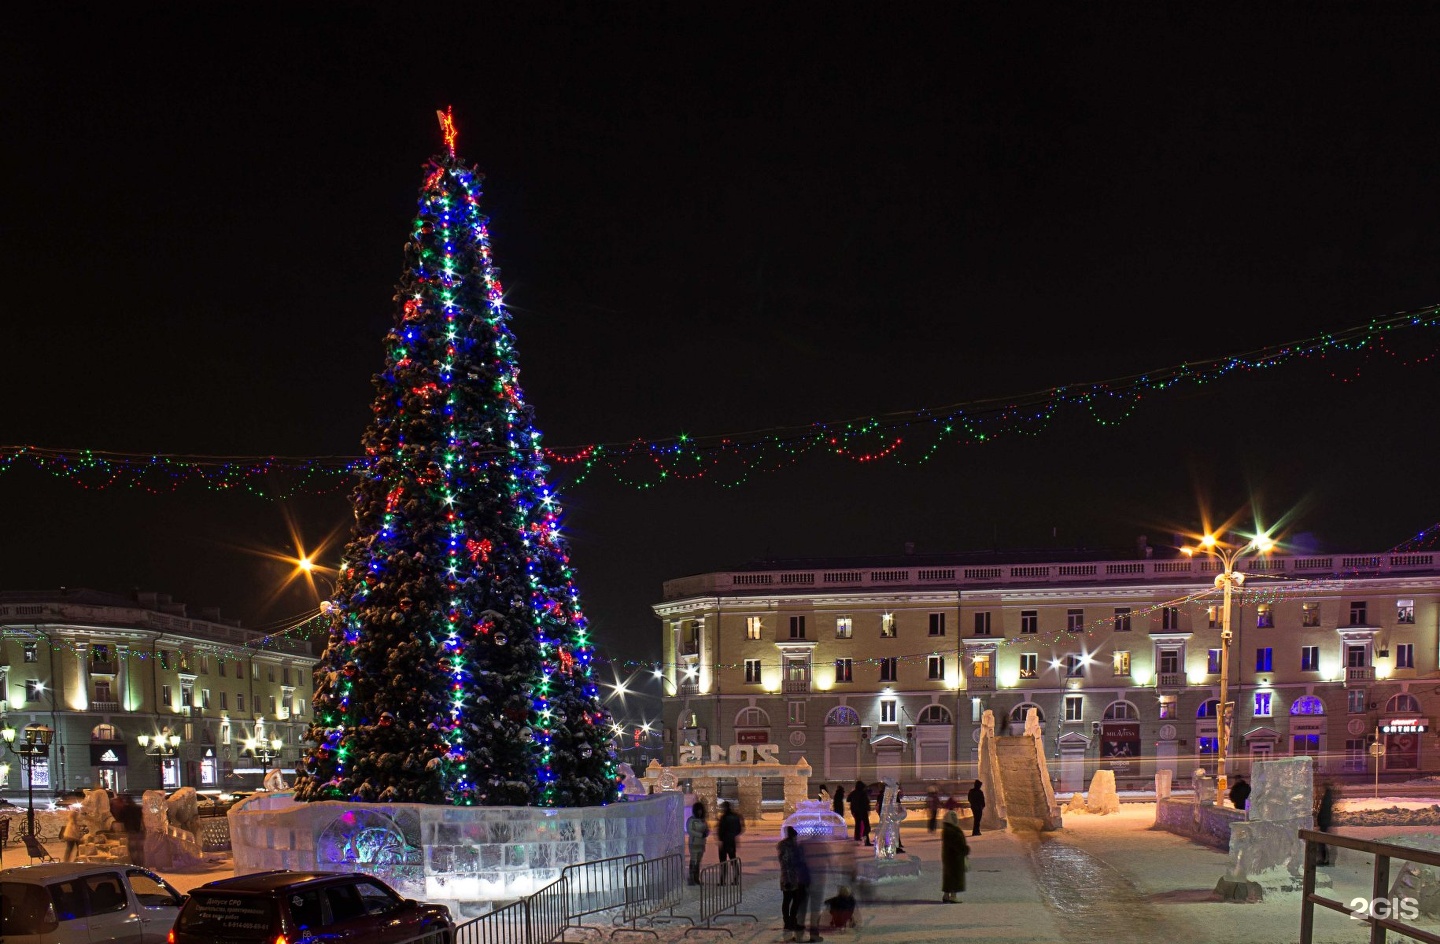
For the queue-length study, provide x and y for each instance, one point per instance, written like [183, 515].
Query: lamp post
[265, 750]
[33, 746]
[1227, 580]
[161, 747]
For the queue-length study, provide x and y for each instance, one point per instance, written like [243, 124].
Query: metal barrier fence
[653, 886]
[1379, 919]
[721, 891]
[536, 919]
[597, 886]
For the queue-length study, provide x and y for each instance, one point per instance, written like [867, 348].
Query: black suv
[285, 907]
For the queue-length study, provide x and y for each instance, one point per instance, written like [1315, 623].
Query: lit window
[982, 623]
[936, 667]
[1309, 658]
[1212, 661]
[1264, 658]
[1029, 621]
[1029, 665]
[1214, 617]
[32, 652]
[844, 627]
[843, 670]
[1167, 706]
[1122, 619]
[752, 627]
[752, 671]
[1074, 707]
[1122, 662]
[980, 667]
[1264, 618]
[1262, 704]
[33, 690]
[887, 711]
[1405, 611]
[1309, 614]
[887, 626]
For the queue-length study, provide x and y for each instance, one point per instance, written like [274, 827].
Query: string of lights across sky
[911, 437]
[908, 437]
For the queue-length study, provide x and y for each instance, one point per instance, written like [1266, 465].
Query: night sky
[716, 218]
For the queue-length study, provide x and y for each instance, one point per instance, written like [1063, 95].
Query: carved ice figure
[1417, 881]
[1102, 797]
[1163, 778]
[168, 845]
[987, 723]
[274, 780]
[1032, 722]
[815, 819]
[630, 784]
[1281, 804]
[891, 813]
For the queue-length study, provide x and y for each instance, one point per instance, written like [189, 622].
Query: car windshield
[25, 909]
[227, 914]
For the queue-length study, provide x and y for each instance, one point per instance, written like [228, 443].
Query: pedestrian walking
[1239, 793]
[823, 795]
[1324, 819]
[932, 807]
[72, 834]
[839, 802]
[794, 885]
[860, 811]
[697, 829]
[976, 796]
[728, 830]
[953, 851]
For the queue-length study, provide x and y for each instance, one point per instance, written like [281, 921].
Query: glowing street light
[162, 747]
[1227, 580]
[33, 746]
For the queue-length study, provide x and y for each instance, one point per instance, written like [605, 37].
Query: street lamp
[35, 745]
[1227, 580]
[161, 747]
[265, 750]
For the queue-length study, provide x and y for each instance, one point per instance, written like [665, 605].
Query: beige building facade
[881, 668]
[101, 669]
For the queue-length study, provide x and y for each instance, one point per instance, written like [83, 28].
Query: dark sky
[723, 217]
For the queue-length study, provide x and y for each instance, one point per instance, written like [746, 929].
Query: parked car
[285, 907]
[79, 902]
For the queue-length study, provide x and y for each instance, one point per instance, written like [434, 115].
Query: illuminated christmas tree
[458, 669]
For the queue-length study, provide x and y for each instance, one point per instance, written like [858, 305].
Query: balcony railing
[104, 667]
[104, 706]
[795, 686]
[981, 683]
[1170, 680]
[1364, 673]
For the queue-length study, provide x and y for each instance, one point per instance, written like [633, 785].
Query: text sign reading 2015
[738, 754]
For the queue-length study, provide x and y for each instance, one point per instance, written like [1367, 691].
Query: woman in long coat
[839, 801]
[953, 850]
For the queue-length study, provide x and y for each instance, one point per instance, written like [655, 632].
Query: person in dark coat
[953, 850]
[860, 811]
[976, 796]
[728, 830]
[838, 804]
[1324, 819]
[1239, 793]
[794, 884]
[932, 807]
[696, 830]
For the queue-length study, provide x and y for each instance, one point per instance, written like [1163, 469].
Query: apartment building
[100, 670]
[883, 667]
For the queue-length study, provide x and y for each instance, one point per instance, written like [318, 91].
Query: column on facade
[82, 652]
[122, 680]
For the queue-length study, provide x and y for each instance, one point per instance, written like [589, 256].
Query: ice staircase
[1024, 782]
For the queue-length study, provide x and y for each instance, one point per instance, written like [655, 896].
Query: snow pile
[1387, 811]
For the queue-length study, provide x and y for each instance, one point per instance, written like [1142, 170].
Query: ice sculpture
[891, 813]
[815, 819]
[1281, 804]
[1102, 797]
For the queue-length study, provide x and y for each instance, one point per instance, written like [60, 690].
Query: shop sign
[1298, 726]
[108, 755]
[1120, 744]
[752, 737]
[1404, 726]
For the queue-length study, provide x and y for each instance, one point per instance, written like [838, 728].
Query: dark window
[1263, 659]
[888, 669]
[937, 624]
[797, 627]
[345, 904]
[1122, 619]
[106, 894]
[1029, 621]
[376, 900]
[27, 910]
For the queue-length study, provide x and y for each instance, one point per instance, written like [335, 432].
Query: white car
[86, 903]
